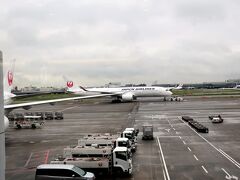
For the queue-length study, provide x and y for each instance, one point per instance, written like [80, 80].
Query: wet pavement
[177, 151]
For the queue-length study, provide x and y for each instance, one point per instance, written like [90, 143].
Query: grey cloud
[95, 41]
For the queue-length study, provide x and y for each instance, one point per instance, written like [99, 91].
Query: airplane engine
[6, 122]
[129, 96]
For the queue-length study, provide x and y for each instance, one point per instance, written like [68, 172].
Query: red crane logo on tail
[69, 84]
[10, 78]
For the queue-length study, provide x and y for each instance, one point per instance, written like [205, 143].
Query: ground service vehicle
[59, 171]
[28, 114]
[28, 122]
[132, 139]
[98, 159]
[216, 118]
[147, 131]
[135, 131]
[187, 118]
[199, 127]
[48, 115]
[19, 116]
[58, 115]
[41, 114]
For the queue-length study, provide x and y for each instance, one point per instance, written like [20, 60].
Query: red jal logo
[69, 84]
[10, 78]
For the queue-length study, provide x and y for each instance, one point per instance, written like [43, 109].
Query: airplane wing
[53, 101]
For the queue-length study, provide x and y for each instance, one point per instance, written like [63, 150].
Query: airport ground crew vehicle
[98, 159]
[194, 124]
[28, 122]
[19, 116]
[199, 127]
[216, 118]
[132, 139]
[41, 114]
[48, 115]
[187, 118]
[147, 131]
[58, 115]
[135, 131]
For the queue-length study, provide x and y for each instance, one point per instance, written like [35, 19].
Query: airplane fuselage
[145, 91]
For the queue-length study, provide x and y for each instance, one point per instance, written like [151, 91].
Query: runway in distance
[121, 94]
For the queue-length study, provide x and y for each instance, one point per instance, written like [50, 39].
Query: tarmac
[177, 151]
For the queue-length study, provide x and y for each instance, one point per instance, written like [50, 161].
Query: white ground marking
[167, 130]
[195, 157]
[220, 151]
[29, 158]
[230, 158]
[228, 176]
[205, 169]
[184, 142]
[225, 172]
[69, 108]
[189, 149]
[174, 129]
[180, 137]
[164, 163]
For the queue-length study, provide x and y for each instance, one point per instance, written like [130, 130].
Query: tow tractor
[29, 122]
[216, 118]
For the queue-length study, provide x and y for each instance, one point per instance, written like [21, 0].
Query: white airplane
[121, 94]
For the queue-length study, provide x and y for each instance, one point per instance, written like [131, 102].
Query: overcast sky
[94, 42]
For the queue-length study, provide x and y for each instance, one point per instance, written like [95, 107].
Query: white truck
[132, 138]
[147, 131]
[98, 159]
[135, 131]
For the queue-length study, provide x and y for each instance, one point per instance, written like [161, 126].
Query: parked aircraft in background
[121, 94]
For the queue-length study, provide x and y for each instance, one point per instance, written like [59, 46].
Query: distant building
[237, 81]
[113, 84]
[30, 88]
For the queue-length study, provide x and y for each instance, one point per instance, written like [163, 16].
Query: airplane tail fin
[71, 87]
[8, 79]
[180, 86]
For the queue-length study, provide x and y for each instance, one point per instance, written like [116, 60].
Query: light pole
[2, 126]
